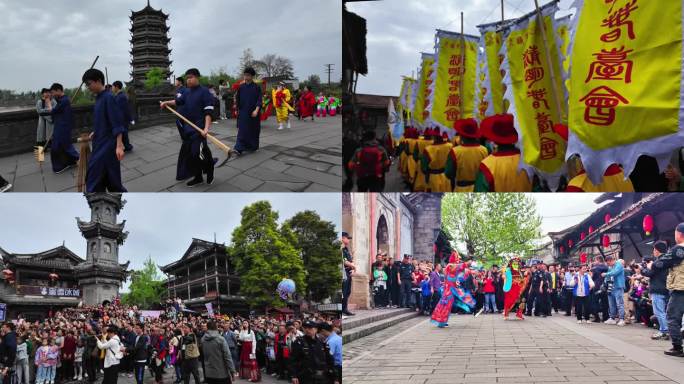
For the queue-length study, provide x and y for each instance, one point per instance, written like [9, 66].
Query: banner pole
[554, 88]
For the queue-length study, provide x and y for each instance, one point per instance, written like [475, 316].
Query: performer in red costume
[514, 288]
[454, 293]
[307, 104]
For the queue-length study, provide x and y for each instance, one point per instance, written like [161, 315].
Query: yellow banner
[420, 111]
[535, 98]
[626, 72]
[493, 43]
[449, 102]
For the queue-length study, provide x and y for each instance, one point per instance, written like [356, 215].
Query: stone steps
[354, 329]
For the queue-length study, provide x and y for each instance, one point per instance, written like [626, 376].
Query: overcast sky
[398, 30]
[161, 225]
[44, 41]
[563, 210]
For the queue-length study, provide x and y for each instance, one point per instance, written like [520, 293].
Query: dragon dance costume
[514, 289]
[322, 104]
[454, 293]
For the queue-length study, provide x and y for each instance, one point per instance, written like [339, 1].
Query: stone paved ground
[306, 157]
[488, 350]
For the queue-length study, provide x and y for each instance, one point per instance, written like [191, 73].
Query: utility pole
[329, 70]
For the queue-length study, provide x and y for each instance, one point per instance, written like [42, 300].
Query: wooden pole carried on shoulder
[225, 148]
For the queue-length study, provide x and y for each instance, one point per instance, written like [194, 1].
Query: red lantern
[606, 241]
[53, 276]
[570, 243]
[606, 218]
[648, 224]
[582, 236]
[561, 249]
[591, 228]
[7, 273]
[583, 257]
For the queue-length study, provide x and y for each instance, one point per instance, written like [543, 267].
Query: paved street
[306, 157]
[488, 349]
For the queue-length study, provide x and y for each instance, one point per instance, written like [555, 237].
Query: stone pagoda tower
[100, 276]
[149, 43]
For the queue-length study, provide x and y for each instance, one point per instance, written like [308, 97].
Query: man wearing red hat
[614, 179]
[432, 162]
[464, 160]
[499, 171]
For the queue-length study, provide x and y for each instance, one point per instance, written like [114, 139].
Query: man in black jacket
[140, 353]
[657, 291]
[599, 299]
[8, 349]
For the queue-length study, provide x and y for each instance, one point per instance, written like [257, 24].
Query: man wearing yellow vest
[410, 162]
[419, 181]
[499, 171]
[464, 160]
[614, 179]
[432, 162]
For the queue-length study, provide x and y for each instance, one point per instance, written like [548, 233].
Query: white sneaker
[579, 321]
[610, 322]
[74, 377]
[80, 377]
[621, 323]
[288, 125]
[280, 127]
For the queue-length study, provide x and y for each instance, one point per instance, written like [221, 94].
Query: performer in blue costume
[248, 101]
[63, 155]
[104, 167]
[454, 293]
[197, 106]
[125, 108]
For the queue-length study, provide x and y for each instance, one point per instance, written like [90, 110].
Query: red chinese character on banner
[453, 85]
[611, 65]
[533, 75]
[539, 96]
[600, 105]
[455, 60]
[547, 148]
[544, 123]
[453, 100]
[616, 20]
[531, 56]
[452, 114]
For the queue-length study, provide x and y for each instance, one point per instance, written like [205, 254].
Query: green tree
[492, 225]
[320, 249]
[147, 286]
[263, 256]
[154, 78]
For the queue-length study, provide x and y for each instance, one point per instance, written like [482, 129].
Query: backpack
[370, 162]
[192, 350]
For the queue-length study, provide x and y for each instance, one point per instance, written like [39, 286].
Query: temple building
[149, 43]
[391, 223]
[34, 283]
[205, 274]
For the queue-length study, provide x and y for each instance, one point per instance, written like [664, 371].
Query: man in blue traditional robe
[63, 155]
[197, 105]
[125, 108]
[104, 167]
[248, 99]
